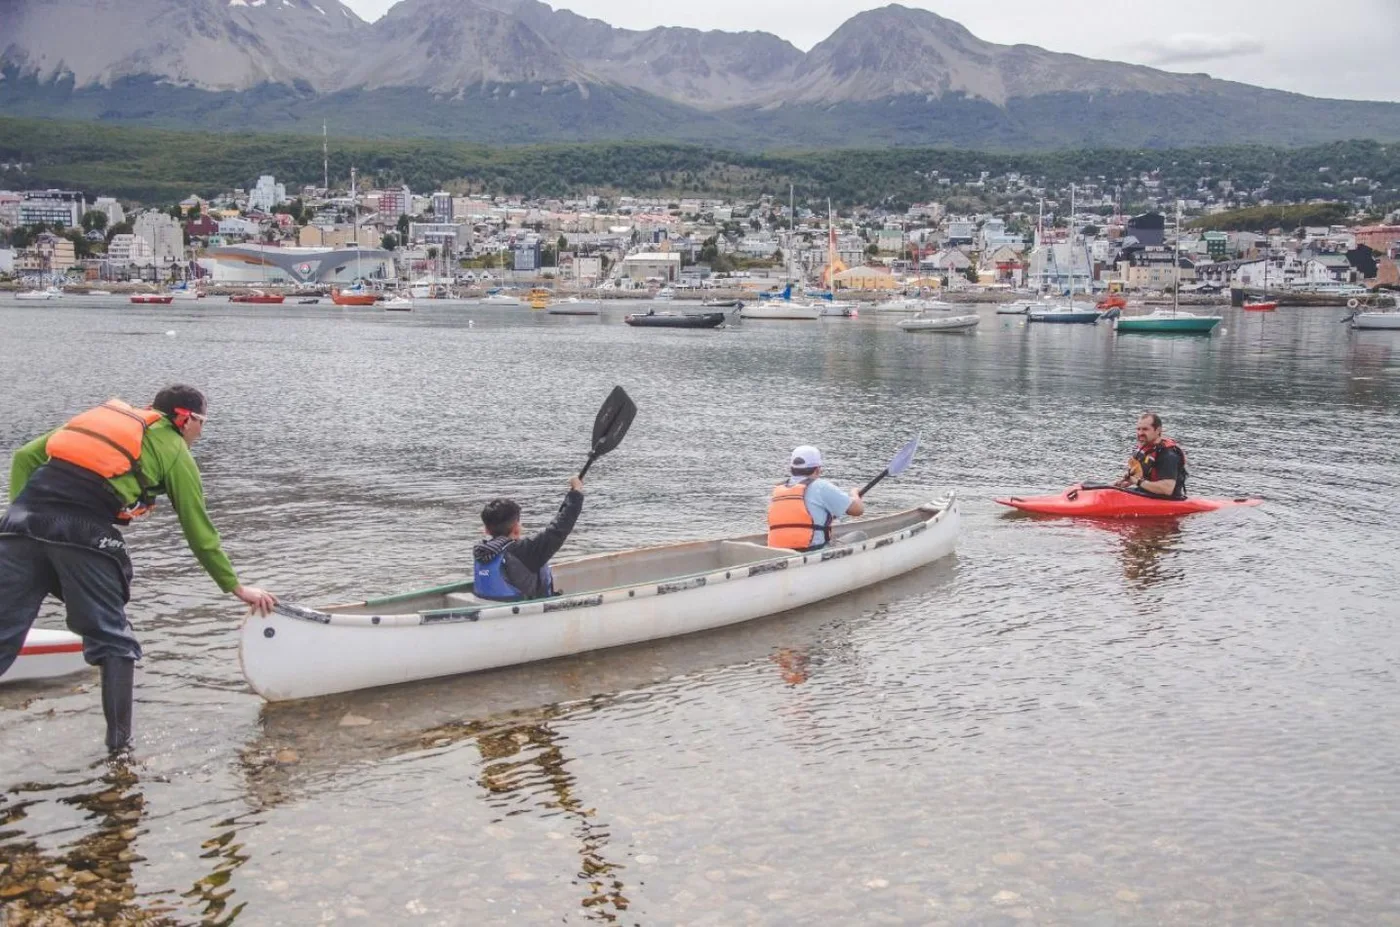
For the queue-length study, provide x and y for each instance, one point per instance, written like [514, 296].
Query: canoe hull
[46, 655]
[303, 653]
[1077, 502]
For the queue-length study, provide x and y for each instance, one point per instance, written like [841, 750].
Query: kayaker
[802, 510]
[1158, 466]
[510, 568]
[69, 489]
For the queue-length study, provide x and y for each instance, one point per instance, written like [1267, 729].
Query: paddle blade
[904, 458]
[614, 418]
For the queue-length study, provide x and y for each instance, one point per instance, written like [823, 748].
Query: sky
[1349, 51]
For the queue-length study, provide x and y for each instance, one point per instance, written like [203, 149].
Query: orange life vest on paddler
[790, 525]
[106, 441]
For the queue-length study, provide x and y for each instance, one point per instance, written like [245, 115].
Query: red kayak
[1260, 307]
[1111, 502]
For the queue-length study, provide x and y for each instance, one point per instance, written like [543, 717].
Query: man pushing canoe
[69, 489]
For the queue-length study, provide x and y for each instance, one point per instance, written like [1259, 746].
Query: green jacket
[167, 464]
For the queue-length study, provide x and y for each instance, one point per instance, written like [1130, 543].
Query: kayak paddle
[901, 462]
[614, 418]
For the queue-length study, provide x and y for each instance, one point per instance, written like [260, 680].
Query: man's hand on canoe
[259, 601]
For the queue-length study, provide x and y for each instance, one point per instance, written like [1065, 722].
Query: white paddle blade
[904, 458]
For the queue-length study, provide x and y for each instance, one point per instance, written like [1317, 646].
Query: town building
[653, 265]
[52, 207]
[444, 207]
[130, 249]
[250, 263]
[115, 214]
[395, 203]
[266, 194]
[49, 254]
[163, 233]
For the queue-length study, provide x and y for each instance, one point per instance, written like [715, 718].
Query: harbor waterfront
[1067, 722]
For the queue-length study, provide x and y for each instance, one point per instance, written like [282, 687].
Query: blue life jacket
[490, 577]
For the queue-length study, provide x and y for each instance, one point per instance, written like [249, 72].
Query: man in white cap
[803, 509]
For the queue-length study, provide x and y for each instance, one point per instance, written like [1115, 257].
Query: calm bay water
[1067, 723]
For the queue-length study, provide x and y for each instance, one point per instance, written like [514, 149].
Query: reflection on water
[1070, 722]
[91, 878]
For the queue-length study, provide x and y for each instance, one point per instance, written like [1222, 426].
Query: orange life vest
[790, 525]
[106, 441]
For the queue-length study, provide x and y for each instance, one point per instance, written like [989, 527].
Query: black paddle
[901, 462]
[613, 420]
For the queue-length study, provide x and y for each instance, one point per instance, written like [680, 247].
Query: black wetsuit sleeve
[534, 552]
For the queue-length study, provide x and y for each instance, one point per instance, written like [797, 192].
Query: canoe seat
[465, 600]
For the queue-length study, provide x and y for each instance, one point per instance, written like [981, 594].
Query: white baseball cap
[806, 457]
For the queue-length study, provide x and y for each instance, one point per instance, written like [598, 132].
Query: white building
[130, 249]
[645, 265]
[52, 207]
[267, 194]
[235, 227]
[163, 233]
[113, 209]
[588, 270]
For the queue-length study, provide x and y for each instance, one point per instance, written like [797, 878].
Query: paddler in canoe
[512, 568]
[1158, 464]
[69, 490]
[802, 510]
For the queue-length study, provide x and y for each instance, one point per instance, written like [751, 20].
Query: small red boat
[258, 297]
[1112, 301]
[1111, 502]
[1260, 306]
[152, 299]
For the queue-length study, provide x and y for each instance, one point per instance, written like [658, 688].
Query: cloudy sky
[1349, 50]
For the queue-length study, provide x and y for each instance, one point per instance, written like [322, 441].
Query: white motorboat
[99, 293]
[47, 293]
[940, 323]
[398, 303]
[832, 308]
[609, 600]
[504, 299]
[46, 654]
[1019, 307]
[781, 309]
[1373, 321]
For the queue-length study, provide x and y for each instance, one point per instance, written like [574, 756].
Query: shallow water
[1067, 723]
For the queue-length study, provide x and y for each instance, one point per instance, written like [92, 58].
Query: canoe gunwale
[935, 511]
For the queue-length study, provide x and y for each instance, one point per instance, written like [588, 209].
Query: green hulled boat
[1169, 321]
[1166, 322]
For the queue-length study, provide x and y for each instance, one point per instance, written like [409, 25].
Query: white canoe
[45, 655]
[945, 323]
[610, 600]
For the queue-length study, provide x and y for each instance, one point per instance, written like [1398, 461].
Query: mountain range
[506, 71]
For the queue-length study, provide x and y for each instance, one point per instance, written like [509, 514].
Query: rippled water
[1067, 723]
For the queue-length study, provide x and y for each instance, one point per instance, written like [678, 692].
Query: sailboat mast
[1071, 247]
[325, 160]
[1176, 262]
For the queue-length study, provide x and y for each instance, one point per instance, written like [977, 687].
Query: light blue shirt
[823, 500]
